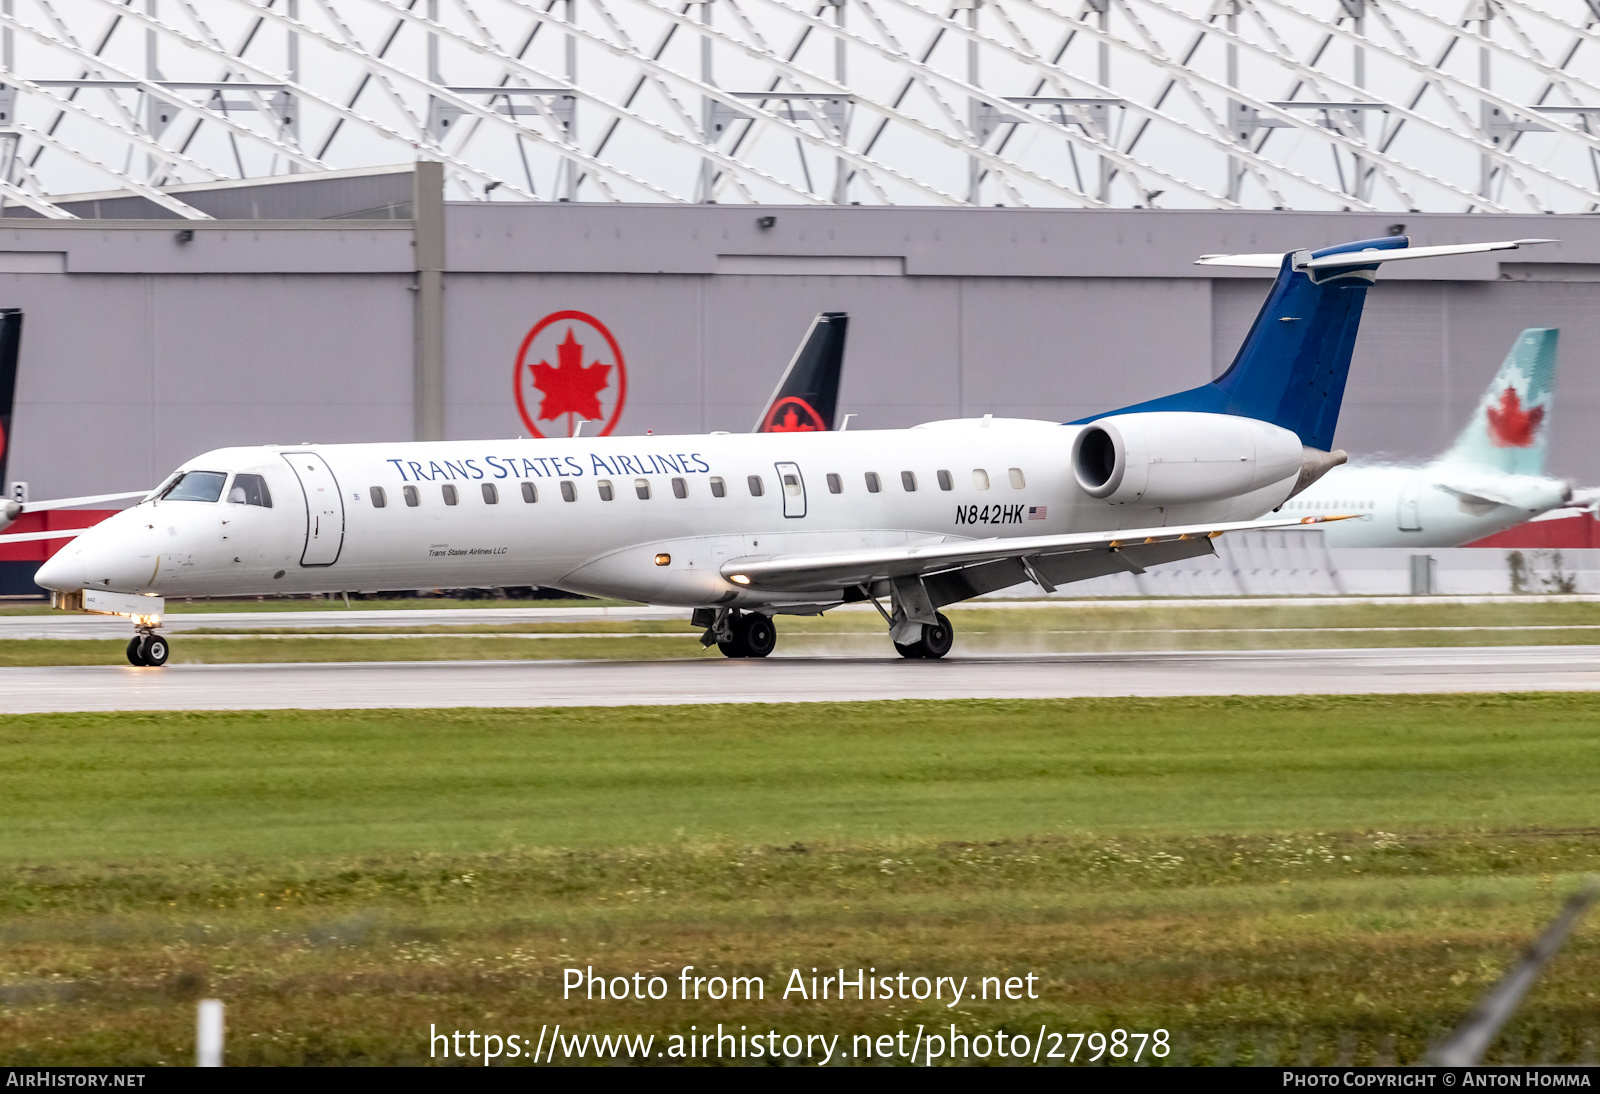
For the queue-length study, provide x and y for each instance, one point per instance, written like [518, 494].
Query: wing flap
[979, 564]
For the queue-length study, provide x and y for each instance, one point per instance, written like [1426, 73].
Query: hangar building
[362, 306]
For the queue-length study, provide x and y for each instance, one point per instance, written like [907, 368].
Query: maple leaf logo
[569, 386]
[1510, 425]
[786, 417]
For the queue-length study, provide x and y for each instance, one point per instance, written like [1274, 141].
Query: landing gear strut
[147, 649]
[742, 634]
[935, 642]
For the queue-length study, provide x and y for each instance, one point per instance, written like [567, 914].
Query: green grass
[1328, 878]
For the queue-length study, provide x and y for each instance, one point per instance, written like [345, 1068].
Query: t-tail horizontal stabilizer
[1291, 369]
[808, 394]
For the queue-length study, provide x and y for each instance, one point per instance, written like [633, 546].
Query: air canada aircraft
[1490, 479]
[741, 528]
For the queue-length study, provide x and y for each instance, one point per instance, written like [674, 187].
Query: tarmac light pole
[208, 1034]
[1466, 1046]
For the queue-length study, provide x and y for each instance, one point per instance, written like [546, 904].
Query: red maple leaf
[790, 420]
[570, 386]
[1510, 426]
[791, 424]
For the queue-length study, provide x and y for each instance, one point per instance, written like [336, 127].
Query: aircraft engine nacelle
[1180, 457]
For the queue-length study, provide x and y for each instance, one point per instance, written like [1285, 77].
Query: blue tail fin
[1292, 367]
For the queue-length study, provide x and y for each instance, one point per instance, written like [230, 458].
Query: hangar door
[324, 508]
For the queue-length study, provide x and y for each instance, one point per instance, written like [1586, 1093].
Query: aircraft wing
[11, 510]
[957, 569]
[88, 499]
[29, 537]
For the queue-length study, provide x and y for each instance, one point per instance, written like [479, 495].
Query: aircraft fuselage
[654, 519]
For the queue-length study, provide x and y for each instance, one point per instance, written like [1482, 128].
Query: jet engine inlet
[1182, 457]
[1094, 461]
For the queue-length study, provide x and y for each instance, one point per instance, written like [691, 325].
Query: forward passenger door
[324, 508]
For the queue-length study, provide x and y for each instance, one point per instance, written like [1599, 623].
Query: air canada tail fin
[808, 394]
[10, 346]
[1292, 367]
[1509, 430]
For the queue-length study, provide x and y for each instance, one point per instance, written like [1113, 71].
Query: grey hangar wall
[140, 350]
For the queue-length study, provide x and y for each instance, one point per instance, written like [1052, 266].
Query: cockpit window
[250, 490]
[196, 486]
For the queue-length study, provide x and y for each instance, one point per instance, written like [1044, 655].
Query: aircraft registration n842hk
[741, 528]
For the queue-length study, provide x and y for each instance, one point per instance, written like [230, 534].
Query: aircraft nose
[65, 571]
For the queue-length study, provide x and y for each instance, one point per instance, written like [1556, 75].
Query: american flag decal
[1038, 512]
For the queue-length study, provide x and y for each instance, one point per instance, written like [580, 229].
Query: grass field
[1278, 879]
[980, 629]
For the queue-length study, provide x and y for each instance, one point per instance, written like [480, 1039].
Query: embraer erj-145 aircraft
[741, 528]
[1492, 478]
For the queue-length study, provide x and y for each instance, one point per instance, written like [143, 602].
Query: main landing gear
[935, 642]
[147, 649]
[740, 634]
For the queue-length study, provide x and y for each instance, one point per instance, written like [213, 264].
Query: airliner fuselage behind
[1437, 505]
[655, 519]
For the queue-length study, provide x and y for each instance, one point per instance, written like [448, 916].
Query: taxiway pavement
[713, 679]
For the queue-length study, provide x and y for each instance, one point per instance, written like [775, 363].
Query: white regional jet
[741, 528]
[1492, 478]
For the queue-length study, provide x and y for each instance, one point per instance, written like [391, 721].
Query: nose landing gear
[147, 650]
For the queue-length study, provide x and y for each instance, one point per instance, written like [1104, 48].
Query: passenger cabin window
[791, 485]
[568, 491]
[642, 488]
[980, 478]
[250, 490]
[491, 494]
[835, 484]
[449, 492]
[719, 489]
[757, 488]
[413, 499]
[379, 498]
[530, 493]
[196, 486]
[1017, 481]
[873, 485]
[604, 486]
[680, 489]
[945, 481]
[908, 481]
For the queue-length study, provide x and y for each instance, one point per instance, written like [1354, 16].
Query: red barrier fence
[1578, 530]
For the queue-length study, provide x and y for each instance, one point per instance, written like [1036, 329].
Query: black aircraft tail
[808, 394]
[10, 345]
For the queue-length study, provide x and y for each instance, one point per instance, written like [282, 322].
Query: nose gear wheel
[148, 651]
